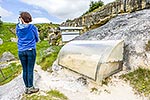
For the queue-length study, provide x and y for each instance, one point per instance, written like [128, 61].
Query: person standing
[27, 37]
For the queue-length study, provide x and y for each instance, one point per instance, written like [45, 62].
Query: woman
[27, 37]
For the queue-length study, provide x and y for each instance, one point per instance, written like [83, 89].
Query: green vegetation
[51, 95]
[48, 60]
[9, 73]
[40, 48]
[43, 59]
[6, 33]
[94, 5]
[140, 80]
[44, 29]
[9, 46]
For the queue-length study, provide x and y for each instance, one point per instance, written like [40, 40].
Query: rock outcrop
[6, 57]
[105, 13]
[134, 29]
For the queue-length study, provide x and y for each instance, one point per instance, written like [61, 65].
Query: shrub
[94, 5]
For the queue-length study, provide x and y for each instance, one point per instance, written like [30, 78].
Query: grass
[10, 73]
[6, 33]
[43, 59]
[47, 61]
[139, 80]
[50, 95]
[9, 46]
[40, 47]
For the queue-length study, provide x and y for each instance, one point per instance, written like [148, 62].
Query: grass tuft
[10, 72]
[139, 80]
[50, 95]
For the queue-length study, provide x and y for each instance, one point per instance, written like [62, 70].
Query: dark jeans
[27, 59]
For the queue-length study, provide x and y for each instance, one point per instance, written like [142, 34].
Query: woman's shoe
[31, 90]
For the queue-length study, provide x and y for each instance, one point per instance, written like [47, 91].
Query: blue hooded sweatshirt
[27, 36]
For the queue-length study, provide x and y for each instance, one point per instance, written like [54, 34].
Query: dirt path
[67, 83]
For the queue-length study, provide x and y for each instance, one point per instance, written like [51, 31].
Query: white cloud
[4, 13]
[108, 1]
[40, 20]
[63, 9]
[36, 11]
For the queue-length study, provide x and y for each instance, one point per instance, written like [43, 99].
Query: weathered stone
[4, 65]
[14, 39]
[6, 57]
[134, 29]
[49, 51]
[1, 41]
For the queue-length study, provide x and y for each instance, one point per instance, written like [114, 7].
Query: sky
[44, 11]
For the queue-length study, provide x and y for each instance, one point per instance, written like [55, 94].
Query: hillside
[7, 31]
[9, 50]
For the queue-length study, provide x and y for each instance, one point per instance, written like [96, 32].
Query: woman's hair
[26, 17]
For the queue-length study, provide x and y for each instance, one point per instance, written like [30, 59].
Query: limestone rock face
[134, 29]
[105, 13]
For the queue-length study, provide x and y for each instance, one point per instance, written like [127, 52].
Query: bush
[44, 29]
[94, 5]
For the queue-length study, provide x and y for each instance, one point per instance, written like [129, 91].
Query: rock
[82, 81]
[134, 29]
[49, 51]
[56, 67]
[6, 57]
[1, 41]
[101, 16]
[4, 65]
[14, 39]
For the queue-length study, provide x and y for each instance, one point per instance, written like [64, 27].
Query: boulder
[6, 57]
[14, 39]
[49, 51]
[1, 41]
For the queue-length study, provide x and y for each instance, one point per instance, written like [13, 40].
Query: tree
[94, 5]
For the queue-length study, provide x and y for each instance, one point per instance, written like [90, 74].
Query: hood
[24, 27]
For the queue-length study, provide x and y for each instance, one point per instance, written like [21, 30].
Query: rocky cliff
[105, 13]
[134, 29]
